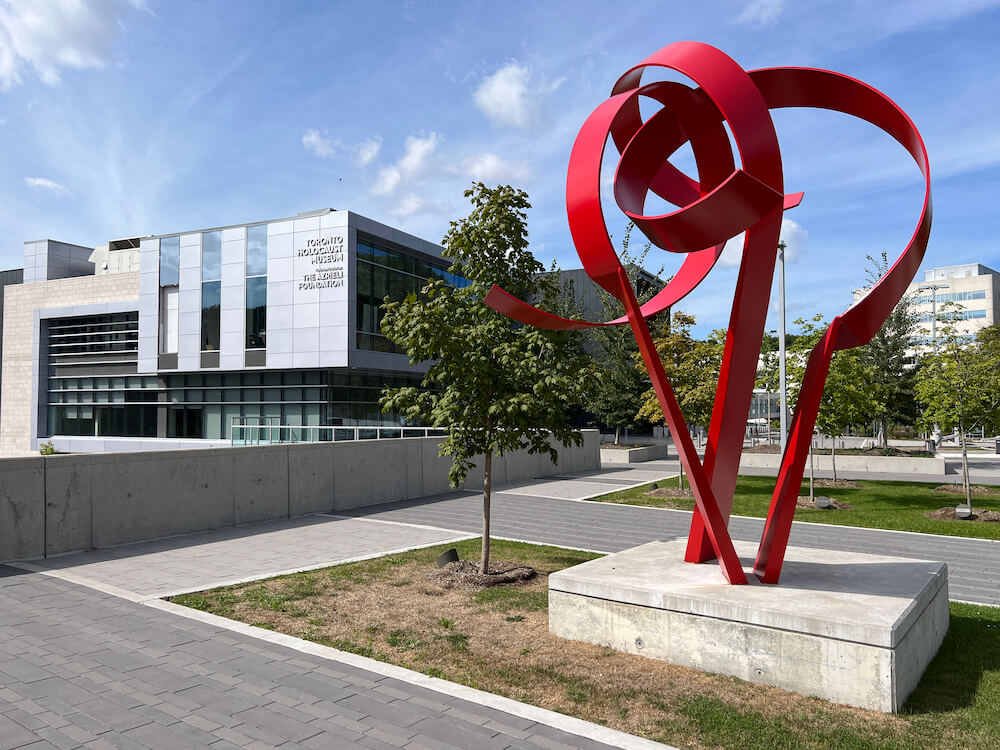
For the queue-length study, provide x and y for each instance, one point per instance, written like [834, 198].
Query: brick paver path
[85, 664]
[537, 514]
[83, 669]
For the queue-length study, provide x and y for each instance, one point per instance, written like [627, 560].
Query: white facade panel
[233, 320]
[189, 277]
[278, 247]
[281, 317]
[279, 227]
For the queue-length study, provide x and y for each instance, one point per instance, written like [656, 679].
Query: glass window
[213, 421]
[211, 256]
[211, 305]
[170, 250]
[257, 250]
[256, 312]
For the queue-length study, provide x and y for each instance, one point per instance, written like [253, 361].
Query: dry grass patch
[497, 639]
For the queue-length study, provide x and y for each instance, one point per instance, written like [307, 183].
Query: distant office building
[972, 288]
[174, 340]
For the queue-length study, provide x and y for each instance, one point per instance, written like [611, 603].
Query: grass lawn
[498, 640]
[875, 505]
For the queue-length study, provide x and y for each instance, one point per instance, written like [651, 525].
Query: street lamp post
[783, 385]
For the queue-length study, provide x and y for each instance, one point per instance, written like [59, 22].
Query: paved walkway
[90, 658]
[540, 512]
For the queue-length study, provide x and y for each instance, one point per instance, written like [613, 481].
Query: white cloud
[47, 35]
[793, 235]
[368, 150]
[488, 167]
[760, 12]
[44, 183]
[795, 239]
[413, 165]
[316, 143]
[512, 97]
[408, 205]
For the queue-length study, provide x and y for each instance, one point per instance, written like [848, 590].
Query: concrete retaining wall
[633, 455]
[889, 464]
[65, 503]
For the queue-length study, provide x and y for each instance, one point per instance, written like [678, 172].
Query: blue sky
[128, 117]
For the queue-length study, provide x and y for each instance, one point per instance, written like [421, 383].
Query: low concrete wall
[889, 464]
[633, 455]
[65, 503]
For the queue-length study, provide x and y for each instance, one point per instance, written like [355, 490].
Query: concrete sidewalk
[91, 658]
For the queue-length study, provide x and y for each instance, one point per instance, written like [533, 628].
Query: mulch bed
[805, 502]
[465, 574]
[677, 492]
[957, 489]
[978, 514]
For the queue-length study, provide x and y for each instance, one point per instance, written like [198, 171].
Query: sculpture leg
[707, 507]
[771, 553]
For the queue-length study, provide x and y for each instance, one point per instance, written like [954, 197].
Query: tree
[959, 386]
[885, 358]
[495, 385]
[692, 366]
[618, 393]
[846, 398]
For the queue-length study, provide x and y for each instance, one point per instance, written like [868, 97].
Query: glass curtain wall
[211, 290]
[256, 298]
[385, 271]
[169, 263]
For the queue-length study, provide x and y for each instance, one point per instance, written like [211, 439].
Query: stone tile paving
[197, 561]
[84, 669]
[973, 564]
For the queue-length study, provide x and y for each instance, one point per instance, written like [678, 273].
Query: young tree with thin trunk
[495, 385]
[692, 366]
[959, 387]
[846, 397]
[885, 358]
[619, 391]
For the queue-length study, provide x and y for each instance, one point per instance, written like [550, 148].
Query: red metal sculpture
[723, 202]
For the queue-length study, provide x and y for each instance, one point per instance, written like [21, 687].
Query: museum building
[186, 339]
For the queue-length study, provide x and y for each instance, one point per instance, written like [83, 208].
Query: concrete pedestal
[852, 628]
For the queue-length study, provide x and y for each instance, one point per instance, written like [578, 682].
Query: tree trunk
[812, 478]
[884, 434]
[680, 477]
[833, 457]
[965, 471]
[484, 560]
[618, 434]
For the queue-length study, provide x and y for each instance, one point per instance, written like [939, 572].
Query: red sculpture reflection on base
[723, 202]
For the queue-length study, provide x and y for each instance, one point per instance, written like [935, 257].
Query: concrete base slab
[852, 628]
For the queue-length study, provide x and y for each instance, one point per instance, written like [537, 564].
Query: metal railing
[269, 431]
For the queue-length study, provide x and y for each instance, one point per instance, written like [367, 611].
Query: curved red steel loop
[723, 202]
[803, 87]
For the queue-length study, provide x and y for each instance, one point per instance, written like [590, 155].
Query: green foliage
[618, 394]
[495, 385]
[47, 449]
[847, 396]
[890, 382]
[959, 386]
[692, 367]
